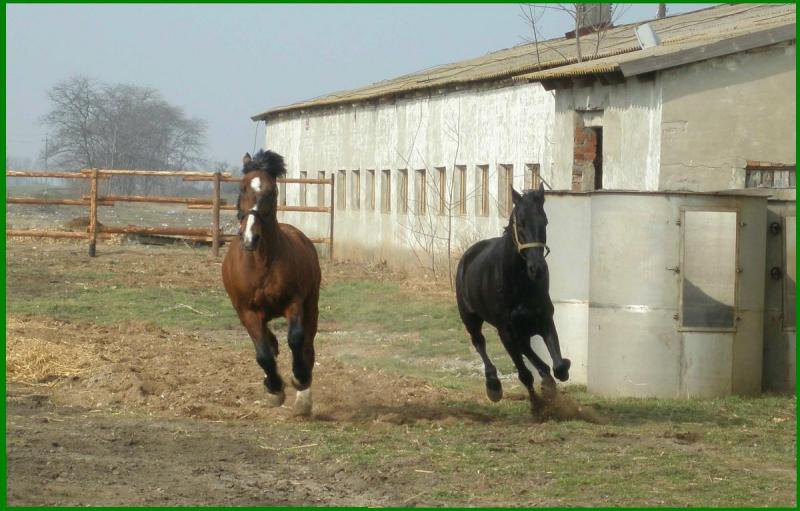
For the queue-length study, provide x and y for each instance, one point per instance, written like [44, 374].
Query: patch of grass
[419, 335]
[194, 310]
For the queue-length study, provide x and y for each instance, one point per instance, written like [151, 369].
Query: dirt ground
[132, 413]
[153, 416]
[126, 430]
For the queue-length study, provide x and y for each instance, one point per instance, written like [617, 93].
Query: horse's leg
[302, 404]
[548, 383]
[473, 323]
[560, 365]
[301, 369]
[266, 350]
[513, 347]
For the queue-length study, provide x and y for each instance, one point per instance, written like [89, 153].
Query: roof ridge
[534, 57]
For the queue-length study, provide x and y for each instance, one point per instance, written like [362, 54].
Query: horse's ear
[515, 196]
[247, 159]
[540, 193]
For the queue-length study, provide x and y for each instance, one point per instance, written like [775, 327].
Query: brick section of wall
[585, 149]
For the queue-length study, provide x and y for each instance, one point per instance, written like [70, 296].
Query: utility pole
[45, 151]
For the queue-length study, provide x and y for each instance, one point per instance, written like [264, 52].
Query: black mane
[268, 161]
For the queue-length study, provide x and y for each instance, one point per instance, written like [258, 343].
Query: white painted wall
[719, 113]
[510, 125]
[631, 120]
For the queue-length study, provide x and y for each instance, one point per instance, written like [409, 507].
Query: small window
[482, 190]
[505, 180]
[532, 177]
[708, 290]
[791, 272]
[460, 189]
[355, 190]
[303, 189]
[420, 192]
[341, 190]
[321, 190]
[442, 199]
[386, 191]
[369, 198]
[402, 192]
[760, 174]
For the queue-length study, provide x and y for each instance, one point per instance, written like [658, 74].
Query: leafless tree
[431, 226]
[580, 15]
[120, 126]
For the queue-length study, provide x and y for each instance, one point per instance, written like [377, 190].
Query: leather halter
[523, 246]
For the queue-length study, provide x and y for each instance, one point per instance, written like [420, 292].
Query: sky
[226, 63]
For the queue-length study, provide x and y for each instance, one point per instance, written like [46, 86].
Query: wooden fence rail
[215, 203]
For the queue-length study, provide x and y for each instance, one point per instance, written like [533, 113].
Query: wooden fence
[214, 203]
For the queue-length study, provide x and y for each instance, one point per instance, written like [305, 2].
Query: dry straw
[35, 360]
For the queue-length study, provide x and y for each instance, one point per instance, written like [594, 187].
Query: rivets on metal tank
[775, 228]
[676, 316]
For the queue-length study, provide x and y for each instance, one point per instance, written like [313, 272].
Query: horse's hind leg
[266, 353]
[473, 323]
[302, 330]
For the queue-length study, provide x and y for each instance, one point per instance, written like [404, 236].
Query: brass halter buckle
[523, 246]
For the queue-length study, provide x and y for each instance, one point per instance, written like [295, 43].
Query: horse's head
[258, 195]
[528, 225]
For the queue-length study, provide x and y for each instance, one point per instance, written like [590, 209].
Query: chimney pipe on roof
[590, 18]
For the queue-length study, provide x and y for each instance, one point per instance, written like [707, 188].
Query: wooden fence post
[330, 238]
[215, 215]
[93, 215]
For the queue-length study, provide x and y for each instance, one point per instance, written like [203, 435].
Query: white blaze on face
[248, 228]
[255, 184]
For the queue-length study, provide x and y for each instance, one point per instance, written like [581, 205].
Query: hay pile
[34, 358]
[80, 224]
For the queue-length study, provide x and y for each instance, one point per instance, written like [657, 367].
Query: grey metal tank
[675, 307]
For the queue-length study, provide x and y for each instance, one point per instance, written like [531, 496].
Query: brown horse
[272, 270]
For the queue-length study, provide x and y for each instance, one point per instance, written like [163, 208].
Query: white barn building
[424, 164]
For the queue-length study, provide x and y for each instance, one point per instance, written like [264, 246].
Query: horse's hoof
[297, 385]
[302, 403]
[562, 371]
[494, 391]
[275, 399]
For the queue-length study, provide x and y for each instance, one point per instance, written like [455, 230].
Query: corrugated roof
[558, 57]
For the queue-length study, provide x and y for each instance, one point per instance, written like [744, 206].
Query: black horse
[505, 282]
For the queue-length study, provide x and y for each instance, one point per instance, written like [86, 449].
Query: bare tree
[431, 225]
[588, 19]
[120, 126]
